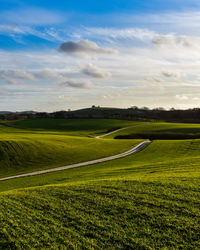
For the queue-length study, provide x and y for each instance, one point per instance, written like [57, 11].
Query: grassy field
[81, 127]
[160, 127]
[22, 152]
[105, 214]
[160, 159]
[148, 200]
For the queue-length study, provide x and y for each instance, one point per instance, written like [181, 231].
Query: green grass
[160, 159]
[102, 215]
[23, 152]
[81, 127]
[161, 127]
[148, 200]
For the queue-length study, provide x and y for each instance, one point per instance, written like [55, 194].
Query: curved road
[115, 131]
[131, 151]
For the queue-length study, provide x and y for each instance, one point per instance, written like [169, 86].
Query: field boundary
[117, 130]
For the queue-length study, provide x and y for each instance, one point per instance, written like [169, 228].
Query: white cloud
[141, 73]
[179, 22]
[170, 74]
[6, 94]
[47, 74]
[21, 76]
[115, 33]
[68, 98]
[154, 79]
[84, 48]
[12, 76]
[18, 32]
[23, 22]
[94, 71]
[74, 84]
[181, 97]
[196, 98]
[172, 40]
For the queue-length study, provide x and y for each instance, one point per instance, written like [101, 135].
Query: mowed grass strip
[102, 215]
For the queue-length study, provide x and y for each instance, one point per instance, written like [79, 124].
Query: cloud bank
[155, 63]
[13, 76]
[172, 40]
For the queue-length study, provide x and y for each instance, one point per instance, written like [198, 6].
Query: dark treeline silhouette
[132, 113]
[160, 136]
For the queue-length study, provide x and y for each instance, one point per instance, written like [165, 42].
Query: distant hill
[132, 113]
[5, 112]
[27, 112]
[17, 112]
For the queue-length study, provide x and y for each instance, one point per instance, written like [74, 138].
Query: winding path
[131, 151]
[120, 129]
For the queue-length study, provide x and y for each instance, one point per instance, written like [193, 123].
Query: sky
[60, 55]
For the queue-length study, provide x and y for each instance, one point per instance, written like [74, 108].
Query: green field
[22, 151]
[148, 200]
[105, 214]
[160, 127]
[81, 127]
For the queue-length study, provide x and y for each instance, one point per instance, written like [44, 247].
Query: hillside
[106, 214]
[81, 127]
[24, 151]
[148, 200]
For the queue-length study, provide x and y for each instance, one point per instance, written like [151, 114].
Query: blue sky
[96, 7]
[72, 54]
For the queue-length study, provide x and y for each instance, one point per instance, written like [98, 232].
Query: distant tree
[134, 107]
[42, 115]
[145, 108]
[59, 114]
[160, 109]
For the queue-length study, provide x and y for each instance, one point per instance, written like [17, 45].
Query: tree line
[132, 113]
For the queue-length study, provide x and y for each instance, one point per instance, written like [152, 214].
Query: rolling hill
[148, 200]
